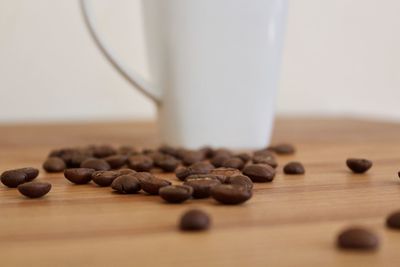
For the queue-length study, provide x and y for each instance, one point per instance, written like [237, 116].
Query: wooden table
[292, 221]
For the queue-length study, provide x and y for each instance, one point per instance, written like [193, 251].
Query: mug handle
[130, 75]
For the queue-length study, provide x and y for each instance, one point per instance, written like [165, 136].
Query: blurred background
[341, 58]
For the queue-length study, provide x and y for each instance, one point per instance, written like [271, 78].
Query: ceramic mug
[214, 66]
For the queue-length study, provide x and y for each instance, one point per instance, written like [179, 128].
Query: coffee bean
[34, 189]
[126, 184]
[201, 186]
[79, 175]
[223, 173]
[194, 220]
[208, 151]
[283, 149]
[240, 180]
[259, 173]
[196, 168]
[127, 150]
[104, 178]
[116, 161]
[13, 178]
[168, 150]
[140, 163]
[96, 164]
[265, 157]
[125, 171]
[54, 164]
[103, 151]
[166, 162]
[294, 167]
[233, 162]
[31, 173]
[151, 184]
[175, 193]
[76, 160]
[244, 156]
[393, 220]
[220, 156]
[358, 165]
[357, 238]
[190, 157]
[231, 194]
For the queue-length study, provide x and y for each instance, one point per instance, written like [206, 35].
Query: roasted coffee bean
[34, 189]
[208, 151]
[357, 238]
[13, 178]
[294, 167]
[393, 220]
[169, 150]
[125, 171]
[196, 168]
[241, 180]
[79, 175]
[282, 149]
[218, 159]
[265, 158]
[31, 173]
[194, 220]
[54, 164]
[148, 151]
[358, 165]
[126, 184]
[201, 186]
[127, 150]
[151, 184]
[175, 193]
[65, 153]
[116, 161]
[140, 163]
[104, 178]
[233, 162]
[76, 160]
[96, 164]
[259, 173]
[244, 156]
[104, 151]
[231, 194]
[223, 173]
[166, 162]
[190, 157]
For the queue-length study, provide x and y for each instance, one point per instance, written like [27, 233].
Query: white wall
[341, 57]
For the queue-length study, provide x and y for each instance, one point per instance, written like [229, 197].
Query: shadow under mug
[214, 68]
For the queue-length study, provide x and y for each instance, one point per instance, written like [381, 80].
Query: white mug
[214, 67]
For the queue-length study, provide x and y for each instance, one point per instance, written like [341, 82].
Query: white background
[342, 57]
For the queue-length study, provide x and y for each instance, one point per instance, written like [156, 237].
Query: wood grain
[290, 222]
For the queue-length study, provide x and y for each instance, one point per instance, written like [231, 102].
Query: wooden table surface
[292, 221]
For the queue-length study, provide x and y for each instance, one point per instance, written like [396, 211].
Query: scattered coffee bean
[79, 175]
[194, 220]
[358, 165]
[140, 163]
[54, 164]
[219, 158]
[31, 173]
[127, 150]
[125, 171]
[103, 151]
[116, 161]
[208, 151]
[196, 168]
[190, 157]
[241, 180]
[259, 173]
[166, 162]
[282, 149]
[233, 162]
[34, 189]
[244, 156]
[104, 178]
[223, 173]
[96, 164]
[231, 194]
[265, 157]
[393, 220]
[126, 184]
[201, 186]
[175, 193]
[168, 150]
[76, 160]
[294, 167]
[357, 238]
[151, 184]
[13, 178]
